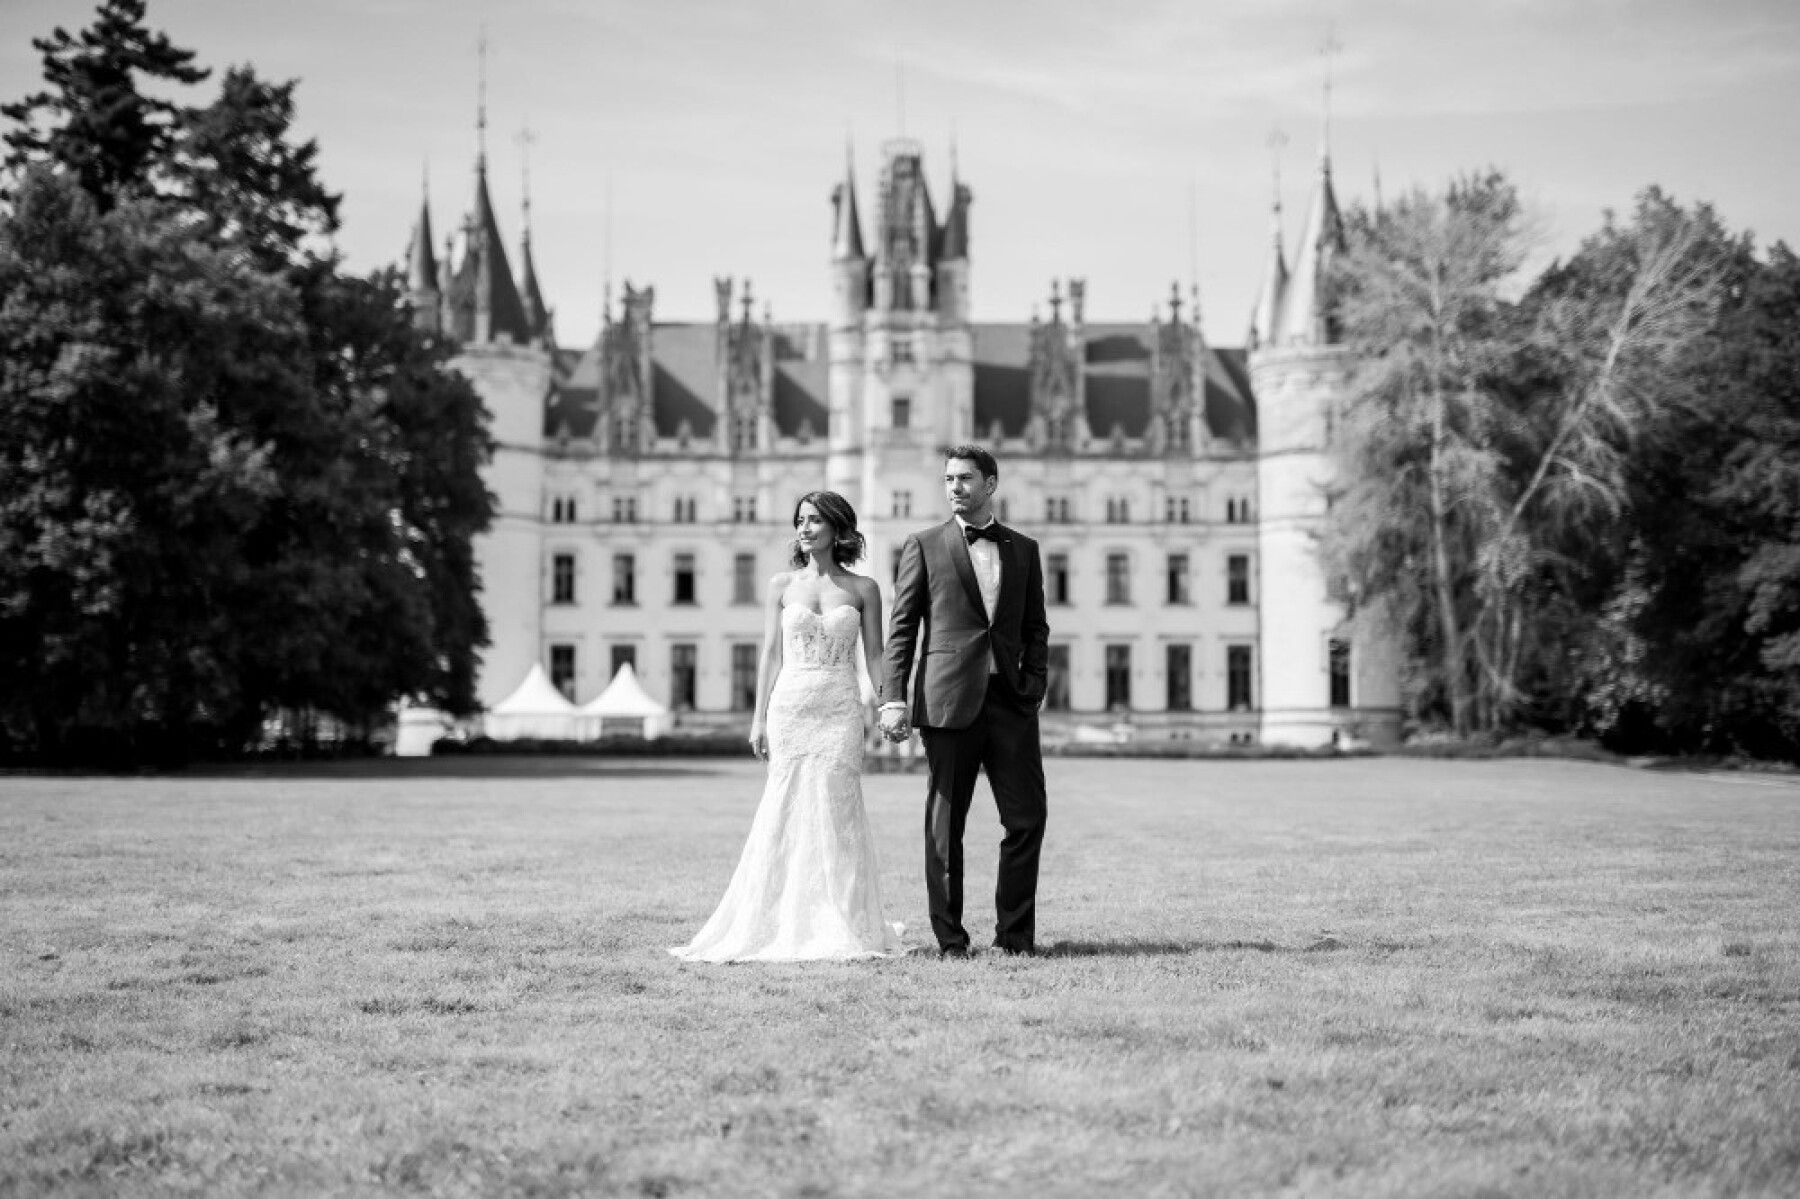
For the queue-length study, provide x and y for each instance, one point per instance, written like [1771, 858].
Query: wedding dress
[807, 885]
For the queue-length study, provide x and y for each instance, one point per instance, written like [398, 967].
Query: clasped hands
[894, 724]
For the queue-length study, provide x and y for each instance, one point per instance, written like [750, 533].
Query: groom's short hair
[984, 461]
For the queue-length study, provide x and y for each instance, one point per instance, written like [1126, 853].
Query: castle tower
[512, 369]
[905, 387]
[850, 275]
[1299, 370]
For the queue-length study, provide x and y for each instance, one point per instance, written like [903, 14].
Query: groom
[973, 591]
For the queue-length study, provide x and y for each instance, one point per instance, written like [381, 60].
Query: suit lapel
[1010, 574]
[958, 549]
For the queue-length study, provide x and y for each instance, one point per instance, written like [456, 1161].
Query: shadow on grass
[497, 766]
[1138, 947]
[1145, 948]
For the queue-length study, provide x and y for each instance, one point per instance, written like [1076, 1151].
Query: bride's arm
[768, 664]
[871, 630]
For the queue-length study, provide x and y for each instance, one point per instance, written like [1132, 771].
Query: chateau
[646, 481]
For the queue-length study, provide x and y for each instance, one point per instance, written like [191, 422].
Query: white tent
[624, 703]
[534, 709]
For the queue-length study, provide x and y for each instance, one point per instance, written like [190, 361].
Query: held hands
[894, 725]
[759, 740]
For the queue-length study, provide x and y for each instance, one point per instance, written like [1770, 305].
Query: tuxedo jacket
[941, 626]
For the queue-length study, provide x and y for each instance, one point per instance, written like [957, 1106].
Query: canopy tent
[535, 709]
[624, 703]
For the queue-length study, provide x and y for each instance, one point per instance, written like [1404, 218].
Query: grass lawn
[1367, 977]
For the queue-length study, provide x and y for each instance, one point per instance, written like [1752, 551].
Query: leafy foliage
[236, 480]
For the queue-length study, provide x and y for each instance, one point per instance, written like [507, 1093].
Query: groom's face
[971, 494]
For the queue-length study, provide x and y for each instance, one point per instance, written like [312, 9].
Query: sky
[1133, 143]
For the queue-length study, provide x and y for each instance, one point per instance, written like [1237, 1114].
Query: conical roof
[956, 226]
[1267, 314]
[1303, 315]
[846, 238]
[421, 261]
[484, 280]
[531, 298]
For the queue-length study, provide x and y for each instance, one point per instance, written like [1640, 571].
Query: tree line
[1575, 498]
[234, 480]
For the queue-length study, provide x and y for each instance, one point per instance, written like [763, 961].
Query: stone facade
[647, 481]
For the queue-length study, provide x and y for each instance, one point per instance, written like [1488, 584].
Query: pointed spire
[1267, 314]
[846, 238]
[484, 298]
[421, 264]
[481, 101]
[531, 297]
[1304, 320]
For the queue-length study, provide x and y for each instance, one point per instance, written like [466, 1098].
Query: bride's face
[812, 530]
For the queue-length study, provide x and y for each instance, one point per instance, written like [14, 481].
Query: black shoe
[953, 951]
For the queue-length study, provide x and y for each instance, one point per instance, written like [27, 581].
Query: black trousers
[1003, 741]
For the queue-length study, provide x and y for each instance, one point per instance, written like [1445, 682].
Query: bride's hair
[838, 513]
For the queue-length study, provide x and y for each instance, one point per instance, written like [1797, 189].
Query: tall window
[1237, 579]
[743, 677]
[1056, 679]
[624, 579]
[562, 579]
[1237, 510]
[685, 509]
[1118, 510]
[1118, 579]
[902, 504]
[623, 655]
[1179, 590]
[684, 579]
[743, 579]
[681, 677]
[624, 509]
[743, 509]
[1339, 657]
[902, 412]
[1180, 671]
[1118, 676]
[1238, 695]
[900, 350]
[562, 669]
[1056, 509]
[562, 510]
[1175, 509]
[1056, 579]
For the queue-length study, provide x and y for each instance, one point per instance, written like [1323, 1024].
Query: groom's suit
[980, 677]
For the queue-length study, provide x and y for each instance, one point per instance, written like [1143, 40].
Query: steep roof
[1267, 314]
[484, 279]
[1303, 315]
[531, 298]
[421, 261]
[846, 238]
[686, 383]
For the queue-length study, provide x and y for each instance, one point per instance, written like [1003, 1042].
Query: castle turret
[1316, 685]
[953, 254]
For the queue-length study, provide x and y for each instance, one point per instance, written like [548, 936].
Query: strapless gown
[807, 886]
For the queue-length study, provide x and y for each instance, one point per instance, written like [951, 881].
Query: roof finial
[1329, 50]
[900, 93]
[481, 47]
[606, 256]
[1278, 139]
[955, 177]
[525, 139]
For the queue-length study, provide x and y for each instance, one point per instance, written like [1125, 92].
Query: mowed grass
[1369, 977]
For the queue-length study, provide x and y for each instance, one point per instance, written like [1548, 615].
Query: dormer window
[900, 350]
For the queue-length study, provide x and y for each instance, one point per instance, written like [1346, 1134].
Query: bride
[807, 886]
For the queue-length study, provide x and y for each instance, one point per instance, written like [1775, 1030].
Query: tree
[1418, 295]
[95, 118]
[237, 481]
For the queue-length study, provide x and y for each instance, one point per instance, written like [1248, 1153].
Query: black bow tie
[990, 532]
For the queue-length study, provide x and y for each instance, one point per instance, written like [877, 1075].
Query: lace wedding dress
[807, 886]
